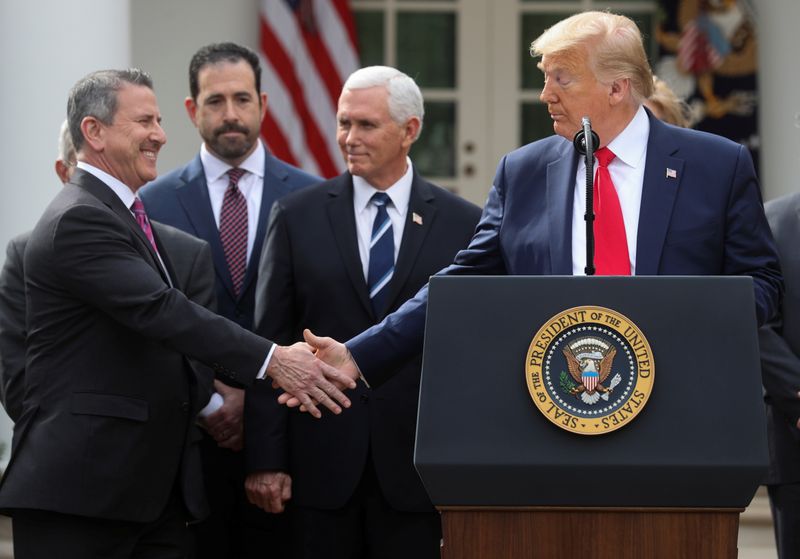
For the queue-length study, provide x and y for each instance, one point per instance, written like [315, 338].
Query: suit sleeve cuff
[262, 372]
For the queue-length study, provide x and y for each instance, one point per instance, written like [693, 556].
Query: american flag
[697, 53]
[308, 48]
[589, 379]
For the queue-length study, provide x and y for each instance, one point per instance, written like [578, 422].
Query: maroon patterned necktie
[233, 229]
[141, 218]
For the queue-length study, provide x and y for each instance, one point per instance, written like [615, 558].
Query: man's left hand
[226, 425]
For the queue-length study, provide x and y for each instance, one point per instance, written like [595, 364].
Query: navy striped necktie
[381, 255]
[233, 229]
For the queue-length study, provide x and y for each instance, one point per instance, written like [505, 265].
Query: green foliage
[566, 383]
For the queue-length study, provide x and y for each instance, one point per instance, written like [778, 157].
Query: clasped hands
[313, 372]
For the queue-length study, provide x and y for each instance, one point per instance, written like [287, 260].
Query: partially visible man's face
[373, 145]
[65, 169]
[132, 141]
[571, 92]
[228, 110]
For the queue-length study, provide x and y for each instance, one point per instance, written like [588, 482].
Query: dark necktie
[611, 244]
[233, 229]
[381, 254]
[141, 218]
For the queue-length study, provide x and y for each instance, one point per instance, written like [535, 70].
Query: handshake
[313, 372]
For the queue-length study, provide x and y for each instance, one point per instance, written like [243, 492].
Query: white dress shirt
[365, 212]
[627, 173]
[251, 185]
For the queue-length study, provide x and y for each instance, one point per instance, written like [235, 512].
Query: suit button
[364, 398]
[185, 407]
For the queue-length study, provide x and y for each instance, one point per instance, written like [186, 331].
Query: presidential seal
[589, 370]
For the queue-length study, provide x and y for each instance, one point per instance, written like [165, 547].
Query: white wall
[45, 47]
[779, 96]
[165, 34]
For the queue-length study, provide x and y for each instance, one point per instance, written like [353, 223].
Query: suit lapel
[193, 196]
[663, 174]
[102, 192]
[164, 254]
[343, 225]
[421, 203]
[560, 194]
[274, 187]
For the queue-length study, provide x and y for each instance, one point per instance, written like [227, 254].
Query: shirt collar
[215, 167]
[631, 144]
[117, 186]
[399, 192]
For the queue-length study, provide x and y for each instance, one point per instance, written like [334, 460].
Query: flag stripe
[340, 31]
[349, 24]
[306, 60]
[283, 65]
[322, 62]
[272, 133]
[281, 110]
[321, 106]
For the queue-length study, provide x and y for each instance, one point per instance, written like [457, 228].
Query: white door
[471, 60]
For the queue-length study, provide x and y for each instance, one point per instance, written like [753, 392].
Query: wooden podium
[565, 533]
[672, 483]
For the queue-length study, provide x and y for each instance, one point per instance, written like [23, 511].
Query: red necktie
[233, 229]
[611, 244]
[141, 218]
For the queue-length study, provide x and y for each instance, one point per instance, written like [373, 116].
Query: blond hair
[666, 105]
[613, 43]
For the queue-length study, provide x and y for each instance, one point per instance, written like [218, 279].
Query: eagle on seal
[590, 370]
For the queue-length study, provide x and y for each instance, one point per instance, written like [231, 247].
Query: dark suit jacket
[780, 348]
[180, 198]
[707, 220]
[12, 327]
[311, 277]
[108, 411]
[191, 261]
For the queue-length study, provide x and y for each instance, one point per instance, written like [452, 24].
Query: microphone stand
[586, 142]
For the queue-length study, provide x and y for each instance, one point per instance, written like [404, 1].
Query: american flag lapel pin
[672, 173]
[416, 218]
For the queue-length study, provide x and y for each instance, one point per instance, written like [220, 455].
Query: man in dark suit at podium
[340, 256]
[669, 201]
[779, 340]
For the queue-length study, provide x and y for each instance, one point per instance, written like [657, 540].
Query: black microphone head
[580, 141]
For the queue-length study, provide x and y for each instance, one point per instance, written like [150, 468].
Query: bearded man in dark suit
[227, 106]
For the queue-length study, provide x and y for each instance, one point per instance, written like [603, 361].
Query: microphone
[586, 142]
[586, 132]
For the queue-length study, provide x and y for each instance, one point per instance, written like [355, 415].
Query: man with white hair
[339, 256]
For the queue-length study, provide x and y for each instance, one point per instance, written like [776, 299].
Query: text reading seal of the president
[590, 370]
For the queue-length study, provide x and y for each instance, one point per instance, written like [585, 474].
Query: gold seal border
[604, 317]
